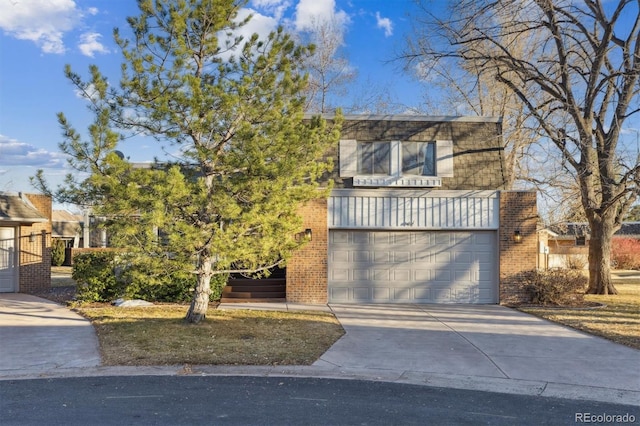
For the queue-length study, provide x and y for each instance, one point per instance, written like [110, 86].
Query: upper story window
[419, 158]
[374, 158]
[396, 163]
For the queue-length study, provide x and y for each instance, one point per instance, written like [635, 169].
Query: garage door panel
[402, 294]
[362, 293]
[337, 237]
[441, 257]
[401, 239]
[422, 294]
[361, 256]
[361, 275]
[339, 275]
[463, 276]
[401, 257]
[401, 275]
[381, 257]
[339, 294]
[381, 295]
[463, 257]
[419, 266]
[381, 275]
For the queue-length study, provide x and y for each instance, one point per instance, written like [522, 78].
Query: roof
[65, 216]
[573, 229]
[412, 117]
[18, 208]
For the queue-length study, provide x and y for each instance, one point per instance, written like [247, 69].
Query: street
[196, 400]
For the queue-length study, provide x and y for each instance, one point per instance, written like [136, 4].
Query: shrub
[108, 275]
[555, 286]
[576, 261]
[94, 273]
[625, 253]
[57, 252]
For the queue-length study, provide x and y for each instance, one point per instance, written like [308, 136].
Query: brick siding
[307, 268]
[35, 256]
[518, 212]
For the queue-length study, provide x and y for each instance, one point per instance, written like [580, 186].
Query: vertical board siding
[353, 209]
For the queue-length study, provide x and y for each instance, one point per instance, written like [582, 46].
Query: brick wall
[307, 268]
[518, 212]
[35, 256]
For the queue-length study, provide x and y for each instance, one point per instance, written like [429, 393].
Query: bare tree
[458, 86]
[582, 59]
[329, 70]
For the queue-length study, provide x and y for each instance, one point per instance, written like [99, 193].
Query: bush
[555, 286]
[94, 273]
[57, 252]
[108, 275]
[625, 253]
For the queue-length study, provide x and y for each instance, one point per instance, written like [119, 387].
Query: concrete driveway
[485, 347]
[38, 336]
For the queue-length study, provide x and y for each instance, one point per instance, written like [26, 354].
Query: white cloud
[276, 8]
[16, 153]
[309, 12]
[385, 24]
[92, 11]
[90, 44]
[258, 24]
[43, 22]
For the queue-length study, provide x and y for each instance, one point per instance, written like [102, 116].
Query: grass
[61, 276]
[158, 336]
[618, 320]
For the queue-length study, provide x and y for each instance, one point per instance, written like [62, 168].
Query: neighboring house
[419, 214]
[67, 227]
[25, 242]
[569, 243]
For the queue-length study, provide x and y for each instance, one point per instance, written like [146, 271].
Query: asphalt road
[216, 400]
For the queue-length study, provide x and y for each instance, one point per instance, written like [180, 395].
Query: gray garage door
[412, 267]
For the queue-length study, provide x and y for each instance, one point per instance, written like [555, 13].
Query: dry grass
[618, 321]
[61, 277]
[158, 336]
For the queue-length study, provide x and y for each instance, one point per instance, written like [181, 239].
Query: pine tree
[234, 108]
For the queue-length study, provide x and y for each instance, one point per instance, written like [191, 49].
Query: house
[419, 214]
[25, 242]
[66, 226]
[569, 243]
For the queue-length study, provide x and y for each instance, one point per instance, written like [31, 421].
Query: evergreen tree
[234, 109]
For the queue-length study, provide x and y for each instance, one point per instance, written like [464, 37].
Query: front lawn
[158, 336]
[618, 320]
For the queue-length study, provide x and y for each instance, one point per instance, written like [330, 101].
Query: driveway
[485, 346]
[38, 336]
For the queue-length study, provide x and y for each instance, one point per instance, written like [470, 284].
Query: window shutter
[348, 158]
[444, 158]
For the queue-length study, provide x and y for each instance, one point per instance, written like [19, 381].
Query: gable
[18, 209]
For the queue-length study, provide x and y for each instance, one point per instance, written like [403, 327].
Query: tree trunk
[600, 257]
[200, 302]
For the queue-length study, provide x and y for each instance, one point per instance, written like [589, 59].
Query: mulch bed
[61, 295]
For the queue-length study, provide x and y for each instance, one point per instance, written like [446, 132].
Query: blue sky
[38, 37]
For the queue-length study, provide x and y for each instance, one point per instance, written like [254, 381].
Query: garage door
[412, 267]
[8, 268]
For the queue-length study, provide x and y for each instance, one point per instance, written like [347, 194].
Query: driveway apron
[37, 336]
[480, 341]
